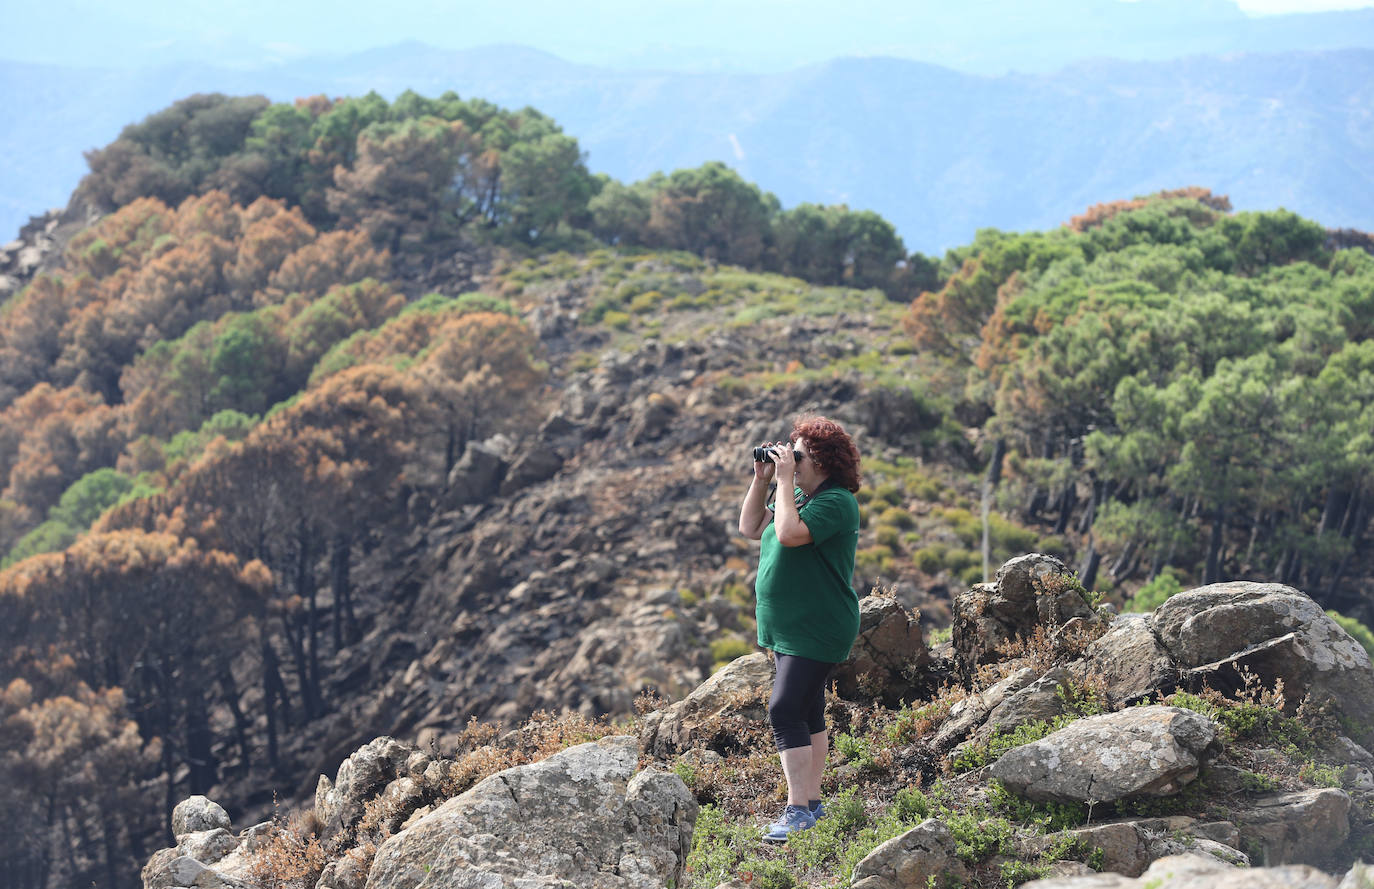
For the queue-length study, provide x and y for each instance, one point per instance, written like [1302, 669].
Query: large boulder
[195, 814]
[909, 861]
[1129, 661]
[1041, 701]
[967, 714]
[1129, 847]
[477, 476]
[1217, 632]
[363, 776]
[739, 689]
[1025, 594]
[1296, 828]
[1140, 751]
[889, 656]
[582, 817]
[1193, 871]
[208, 858]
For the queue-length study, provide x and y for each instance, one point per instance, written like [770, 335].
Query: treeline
[421, 176]
[1180, 385]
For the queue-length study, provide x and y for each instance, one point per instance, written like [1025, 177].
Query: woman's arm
[753, 512]
[788, 524]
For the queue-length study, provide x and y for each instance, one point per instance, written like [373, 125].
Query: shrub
[727, 648]
[897, 517]
[1152, 595]
[1357, 630]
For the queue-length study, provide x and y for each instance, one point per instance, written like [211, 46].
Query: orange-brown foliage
[1097, 214]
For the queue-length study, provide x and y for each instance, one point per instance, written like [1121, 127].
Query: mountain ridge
[937, 152]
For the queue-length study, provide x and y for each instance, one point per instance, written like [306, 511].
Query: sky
[672, 34]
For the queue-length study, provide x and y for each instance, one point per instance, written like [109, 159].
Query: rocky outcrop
[582, 817]
[1303, 827]
[966, 715]
[1221, 631]
[739, 690]
[1192, 871]
[1129, 661]
[1024, 595]
[209, 857]
[889, 658]
[1140, 751]
[1129, 847]
[1041, 701]
[384, 768]
[911, 860]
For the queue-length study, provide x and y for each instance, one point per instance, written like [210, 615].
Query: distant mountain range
[938, 152]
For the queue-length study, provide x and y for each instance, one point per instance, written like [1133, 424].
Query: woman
[808, 613]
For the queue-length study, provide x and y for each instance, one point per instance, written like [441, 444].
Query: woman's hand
[763, 471]
[787, 464]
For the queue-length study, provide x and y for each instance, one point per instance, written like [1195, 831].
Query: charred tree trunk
[1211, 573]
[345, 621]
[229, 691]
[296, 642]
[308, 591]
[200, 756]
[1065, 505]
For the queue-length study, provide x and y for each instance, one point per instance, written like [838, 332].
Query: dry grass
[292, 856]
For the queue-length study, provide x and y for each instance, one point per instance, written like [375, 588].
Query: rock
[1275, 632]
[1130, 661]
[365, 774]
[1303, 827]
[651, 417]
[888, 656]
[967, 714]
[910, 860]
[1192, 871]
[195, 814]
[349, 871]
[1040, 701]
[1360, 876]
[1128, 847]
[581, 816]
[207, 846]
[535, 465]
[989, 615]
[1140, 751]
[740, 688]
[477, 476]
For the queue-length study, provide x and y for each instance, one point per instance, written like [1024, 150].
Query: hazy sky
[766, 34]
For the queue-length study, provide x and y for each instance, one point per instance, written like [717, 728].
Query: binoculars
[765, 455]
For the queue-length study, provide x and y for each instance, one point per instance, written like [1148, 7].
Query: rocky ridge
[1228, 813]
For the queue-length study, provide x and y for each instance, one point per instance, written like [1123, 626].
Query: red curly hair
[831, 448]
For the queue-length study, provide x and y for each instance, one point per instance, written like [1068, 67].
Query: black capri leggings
[797, 708]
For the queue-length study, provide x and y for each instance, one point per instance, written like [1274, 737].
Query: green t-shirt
[806, 603]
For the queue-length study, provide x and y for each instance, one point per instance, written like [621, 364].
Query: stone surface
[580, 816]
[889, 656]
[477, 476]
[1140, 751]
[365, 774]
[1275, 632]
[1303, 827]
[1193, 871]
[195, 814]
[740, 688]
[1128, 847]
[1040, 701]
[966, 715]
[1012, 606]
[910, 860]
[1130, 661]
